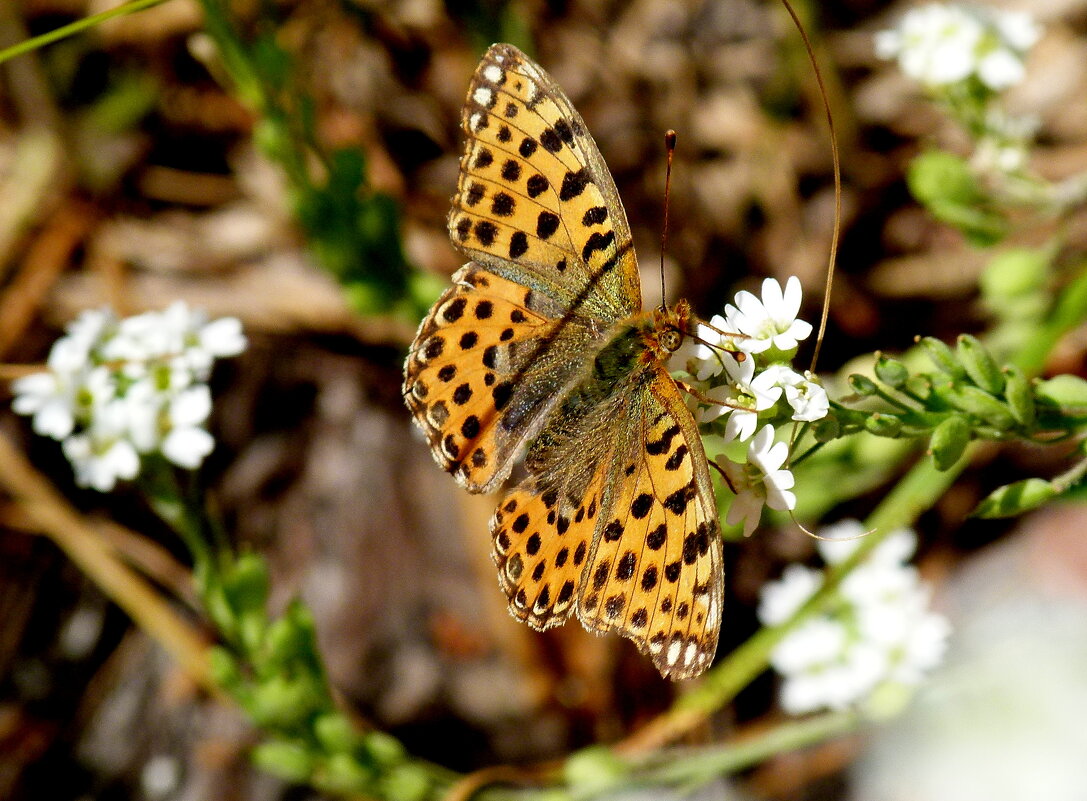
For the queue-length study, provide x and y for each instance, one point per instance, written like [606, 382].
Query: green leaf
[407, 782]
[1014, 499]
[1016, 272]
[939, 176]
[945, 185]
[345, 775]
[335, 733]
[246, 583]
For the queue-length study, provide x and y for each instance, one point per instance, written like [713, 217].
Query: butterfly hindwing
[535, 201]
[654, 574]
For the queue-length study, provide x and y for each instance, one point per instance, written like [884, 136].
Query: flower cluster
[740, 368]
[942, 44]
[878, 629]
[118, 390]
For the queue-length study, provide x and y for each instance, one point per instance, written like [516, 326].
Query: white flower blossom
[770, 321]
[101, 454]
[877, 629]
[779, 600]
[807, 398]
[742, 397]
[115, 391]
[761, 481]
[942, 44]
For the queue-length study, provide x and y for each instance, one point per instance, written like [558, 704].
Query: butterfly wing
[537, 210]
[618, 524]
[656, 572]
[535, 202]
[488, 363]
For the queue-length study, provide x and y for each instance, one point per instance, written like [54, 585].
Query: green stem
[672, 768]
[73, 28]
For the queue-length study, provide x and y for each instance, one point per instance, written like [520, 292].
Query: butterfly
[541, 346]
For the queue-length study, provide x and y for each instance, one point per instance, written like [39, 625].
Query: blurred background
[139, 165]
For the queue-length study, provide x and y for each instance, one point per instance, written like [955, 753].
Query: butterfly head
[670, 326]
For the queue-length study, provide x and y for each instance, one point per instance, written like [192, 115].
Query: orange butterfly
[541, 345]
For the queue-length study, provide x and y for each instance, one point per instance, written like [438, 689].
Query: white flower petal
[187, 447]
[191, 407]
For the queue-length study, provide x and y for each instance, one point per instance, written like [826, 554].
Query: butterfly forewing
[535, 201]
[487, 364]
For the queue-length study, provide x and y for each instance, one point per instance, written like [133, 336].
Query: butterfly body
[541, 347]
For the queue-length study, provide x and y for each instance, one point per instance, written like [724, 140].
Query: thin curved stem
[80, 25]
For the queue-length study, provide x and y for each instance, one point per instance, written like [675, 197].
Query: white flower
[1001, 69]
[771, 321]
[942, 44]
[779, 600]
[187, 443]
[742, 397]
[807, 398]
[102, 454]
[54, 397]
[116, 389]
[877, 629]
[1017, 28]
[760, 482]
[50, 398]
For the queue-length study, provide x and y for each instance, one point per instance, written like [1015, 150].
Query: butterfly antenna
[670, 149]
[835, 235]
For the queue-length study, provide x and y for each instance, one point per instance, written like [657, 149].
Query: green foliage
[352, 230]
[966, 396]
[945, 185]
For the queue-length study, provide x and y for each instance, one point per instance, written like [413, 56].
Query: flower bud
[891, 371]
[883, 425]
[1067, 391]
[335, 733]
[942, 356]
[288, 761]
[1020, 396]
[407, 782]
[982, 405]
[1014, 499]
[862, 384]
[949, 440]
[979, 365]
[920, 386]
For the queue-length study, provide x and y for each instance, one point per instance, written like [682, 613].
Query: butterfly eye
[671, 340]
